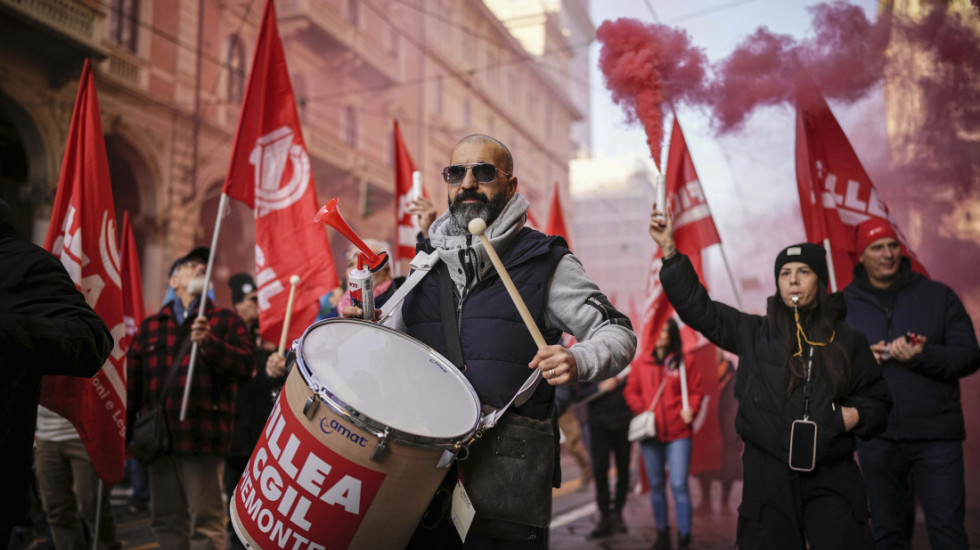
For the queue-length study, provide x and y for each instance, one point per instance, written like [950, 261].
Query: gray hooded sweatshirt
[575, 305]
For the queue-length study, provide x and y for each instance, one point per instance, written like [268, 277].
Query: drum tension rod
[309, 409]
[382, 445]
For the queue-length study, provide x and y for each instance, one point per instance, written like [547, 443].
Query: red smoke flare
[647, 65]
[845, 57]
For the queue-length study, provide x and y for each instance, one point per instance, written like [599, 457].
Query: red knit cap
[870, 231]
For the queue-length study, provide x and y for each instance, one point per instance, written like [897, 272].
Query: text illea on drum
[291, 479]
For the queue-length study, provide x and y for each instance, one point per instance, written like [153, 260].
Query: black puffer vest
[496, 345]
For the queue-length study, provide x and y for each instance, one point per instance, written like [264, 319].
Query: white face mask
[195, 287]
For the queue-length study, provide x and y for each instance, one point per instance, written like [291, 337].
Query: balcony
[325, 30]
[58, 34]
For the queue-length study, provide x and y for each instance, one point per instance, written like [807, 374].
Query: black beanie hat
[811, 254]
[241, 284]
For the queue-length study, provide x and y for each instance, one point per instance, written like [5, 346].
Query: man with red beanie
[924, 340]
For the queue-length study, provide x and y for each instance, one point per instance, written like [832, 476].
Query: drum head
[375, 372]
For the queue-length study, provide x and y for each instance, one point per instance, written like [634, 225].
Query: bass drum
[357, 444]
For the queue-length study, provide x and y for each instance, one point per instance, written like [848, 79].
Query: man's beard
[489, 208]
[195, 287]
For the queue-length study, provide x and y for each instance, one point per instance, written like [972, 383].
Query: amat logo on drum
[333, 426]
[298, 493]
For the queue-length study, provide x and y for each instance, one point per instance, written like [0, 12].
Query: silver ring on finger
[551, 373]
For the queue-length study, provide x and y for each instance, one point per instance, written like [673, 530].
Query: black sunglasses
[483, 172]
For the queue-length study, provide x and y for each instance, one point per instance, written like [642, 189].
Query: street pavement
[575, 515]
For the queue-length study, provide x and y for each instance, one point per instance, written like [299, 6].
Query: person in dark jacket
[186, 495]
[608, 420]
[803, 371]
[255, 397]
[497, 349]
[46, 328]
[655, 381]
[925, 342]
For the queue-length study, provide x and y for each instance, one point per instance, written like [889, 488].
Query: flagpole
[222, 203]
[830, 264]
[98, 516]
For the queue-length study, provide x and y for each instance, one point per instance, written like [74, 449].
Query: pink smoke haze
[645, 66]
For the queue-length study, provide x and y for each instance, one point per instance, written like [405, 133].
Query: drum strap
[454, 349]
[421, 265]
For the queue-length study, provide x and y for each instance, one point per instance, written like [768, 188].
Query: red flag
[556, 218]
[405, 228]
[134, 309]
[694, 230]
[83, 235]
[706, 444]
[836, 193]
[270, 172]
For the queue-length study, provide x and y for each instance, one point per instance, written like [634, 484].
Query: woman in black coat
[802, 372]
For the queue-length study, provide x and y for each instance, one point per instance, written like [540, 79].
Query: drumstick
[293, 281]
[684, 400]
[477, 226]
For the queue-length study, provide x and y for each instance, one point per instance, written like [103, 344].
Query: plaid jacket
[222, 362]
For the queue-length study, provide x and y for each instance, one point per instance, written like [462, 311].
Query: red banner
[270, 172]
[836, 193]
[83, 235]
[405, 227]
[134, 308]
[556, 218]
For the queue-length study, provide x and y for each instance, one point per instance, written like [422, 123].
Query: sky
[748, 175]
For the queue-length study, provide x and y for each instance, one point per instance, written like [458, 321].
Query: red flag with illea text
[134, 308]
[836, 194]
[82, 234]
[405, 227]
[270, 172]
[556, 218]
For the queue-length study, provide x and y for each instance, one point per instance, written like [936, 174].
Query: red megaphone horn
[330, 215]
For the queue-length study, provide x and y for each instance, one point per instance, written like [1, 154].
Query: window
[350, 126]
[124, 23]
[236, 69]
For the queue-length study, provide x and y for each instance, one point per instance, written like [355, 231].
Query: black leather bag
[508, 478]
[151, 436]
[151, 433]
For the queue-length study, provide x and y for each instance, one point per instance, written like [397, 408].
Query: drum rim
[360, 418]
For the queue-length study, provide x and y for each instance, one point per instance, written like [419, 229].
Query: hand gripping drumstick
[293, 281]
[477, 226]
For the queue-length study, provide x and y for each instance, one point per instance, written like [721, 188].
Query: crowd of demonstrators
[186, 496]
[925, 342]
[561, 298]
[256, 396]
[731, 446]
[656, 382]
[608, 425]
[46, 328]
[71, 492]
[806, 385]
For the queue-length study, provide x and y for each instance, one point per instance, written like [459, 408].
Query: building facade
[171, 75]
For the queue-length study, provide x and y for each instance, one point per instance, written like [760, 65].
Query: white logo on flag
[269, 284]
[269, 157]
